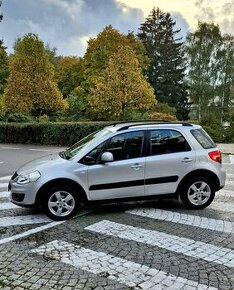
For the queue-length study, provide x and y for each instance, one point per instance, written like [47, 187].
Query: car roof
[145, 124]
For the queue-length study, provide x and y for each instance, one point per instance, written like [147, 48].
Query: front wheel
[61, 203]
[197, 193]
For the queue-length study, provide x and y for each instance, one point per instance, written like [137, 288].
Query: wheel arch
[200, 173]
[60, 182]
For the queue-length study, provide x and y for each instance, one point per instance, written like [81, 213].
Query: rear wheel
[197, 193]
[61, 203]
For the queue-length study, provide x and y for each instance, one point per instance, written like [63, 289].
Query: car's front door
[169, 159]
[124, 176]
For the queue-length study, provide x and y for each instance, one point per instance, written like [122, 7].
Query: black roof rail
[139, 121]
[152, 122]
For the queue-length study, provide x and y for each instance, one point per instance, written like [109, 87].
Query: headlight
[27, 178]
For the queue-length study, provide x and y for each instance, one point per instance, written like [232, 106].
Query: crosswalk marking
[185, 219]
[123, 271]
[224, 193]
[29, 232]
[3, 185]
[23, 220]
[7, 205]
[222, 206]
[7, 178]
[185, 246]
[4, 194]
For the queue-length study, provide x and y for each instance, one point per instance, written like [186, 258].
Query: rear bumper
[222, 178]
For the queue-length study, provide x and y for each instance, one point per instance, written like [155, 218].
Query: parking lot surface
[144, 245]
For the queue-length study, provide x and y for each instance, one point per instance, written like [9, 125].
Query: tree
[31, 87]
[211, 69]
[184, 104]
[68, 74]
[107, 43]
[167, 67]
[226, 78]
[121, 89]
[96, 59]
[1, 15]
[78, 104]
[4, 72]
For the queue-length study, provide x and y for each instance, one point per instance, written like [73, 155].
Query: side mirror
[107, 157]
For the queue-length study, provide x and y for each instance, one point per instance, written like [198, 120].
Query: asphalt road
[145, 245]
[13, 156]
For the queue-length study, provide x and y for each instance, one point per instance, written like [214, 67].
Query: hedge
[64, 134]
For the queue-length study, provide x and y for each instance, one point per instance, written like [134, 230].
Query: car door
[124, 176]
[168, 160]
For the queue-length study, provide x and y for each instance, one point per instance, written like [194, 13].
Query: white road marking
[224, 193]
[230, 182]
[23, 220]
[8, 205]
[231, 157]
[123, 271]
[3, 185]
[4, 194]
[185, 246]
[1, 162]
[185, 219]
[39, 150]
[7, 178]
[222, 206]
[230, 175]
[10, 148]
[30, 232]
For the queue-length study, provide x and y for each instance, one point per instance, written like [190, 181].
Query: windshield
[85, 142]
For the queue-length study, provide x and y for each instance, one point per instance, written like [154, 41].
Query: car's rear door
[168, 160]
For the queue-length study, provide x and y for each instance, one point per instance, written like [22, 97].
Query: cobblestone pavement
[145, 245]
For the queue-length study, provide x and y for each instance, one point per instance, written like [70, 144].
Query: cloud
[65, 24]
[181, 23]
[221, 13]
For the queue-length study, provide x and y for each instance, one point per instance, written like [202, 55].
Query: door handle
[136, 166]
[186, 160]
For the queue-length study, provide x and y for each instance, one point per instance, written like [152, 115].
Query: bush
[64, 134]
[18, 118]
[162, 116]
[220, 134]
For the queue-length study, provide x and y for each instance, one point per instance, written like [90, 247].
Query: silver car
[124, 161]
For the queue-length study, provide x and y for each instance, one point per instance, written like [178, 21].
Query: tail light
[216, 156]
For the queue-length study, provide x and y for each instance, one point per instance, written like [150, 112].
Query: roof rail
[152, 122]
[139, 121]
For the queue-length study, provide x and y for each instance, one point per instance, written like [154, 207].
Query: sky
[68, 24]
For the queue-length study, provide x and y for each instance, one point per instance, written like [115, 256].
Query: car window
[86, 142]
[93, 155]
[126, 145]
[163, 141]
[203, 138]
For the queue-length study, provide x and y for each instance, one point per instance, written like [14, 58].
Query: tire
[197, 193]
[61, 203]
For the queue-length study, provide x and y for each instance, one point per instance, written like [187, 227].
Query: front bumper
[24, 195]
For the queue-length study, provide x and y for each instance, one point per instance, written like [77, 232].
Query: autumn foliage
[31, 85]
[121, 88]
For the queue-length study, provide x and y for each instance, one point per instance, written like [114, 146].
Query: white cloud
[65, 24]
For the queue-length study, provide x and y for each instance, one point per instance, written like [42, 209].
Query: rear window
[203, 138]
